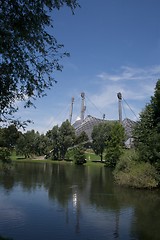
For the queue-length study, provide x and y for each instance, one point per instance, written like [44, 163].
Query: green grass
[88, 163]
[91, 158]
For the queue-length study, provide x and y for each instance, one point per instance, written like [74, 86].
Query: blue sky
[114, 47]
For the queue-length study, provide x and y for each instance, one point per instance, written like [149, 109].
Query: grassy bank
[91, 159]
[88, 163]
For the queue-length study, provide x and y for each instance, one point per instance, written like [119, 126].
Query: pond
[65, 201]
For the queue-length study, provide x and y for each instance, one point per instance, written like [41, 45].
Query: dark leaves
[29, 55]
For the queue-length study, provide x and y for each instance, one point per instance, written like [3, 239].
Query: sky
[114, 46]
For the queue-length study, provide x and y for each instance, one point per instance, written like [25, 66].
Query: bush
[4, 155]
[130, 172]
[112, 156]
[70, 155]
[79, 155]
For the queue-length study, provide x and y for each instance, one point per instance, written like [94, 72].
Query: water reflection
[74, 202]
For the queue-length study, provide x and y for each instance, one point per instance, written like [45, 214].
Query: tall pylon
[83, 107]
[71, 110]
[119, 95]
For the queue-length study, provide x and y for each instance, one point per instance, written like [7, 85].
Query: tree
[26, 144]
[41, 143]
[60, 139]
[29, 54]
[81, 138]
[155, 103]
[9, 136]
[143, 134]
[8, 139]
[66, 138]
[53, 136]
[147, 131]
[100, 134]
[5, 155]
[114, 145]
[32, 143]
[79, 155]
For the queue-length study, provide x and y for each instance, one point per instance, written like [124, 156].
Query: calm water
[43, 201]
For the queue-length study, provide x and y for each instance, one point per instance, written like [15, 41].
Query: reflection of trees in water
[4, 238]
[7, 181]
[58, 188]
[102, 194]
[28, 175]
[101, 189]
[91, 185]
[146, 221]
[110, 197]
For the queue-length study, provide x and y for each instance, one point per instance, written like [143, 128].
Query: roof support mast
[71, 111]
[83, 107]
[119, 95]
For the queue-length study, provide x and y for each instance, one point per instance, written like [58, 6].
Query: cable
[124, 110]
[130, 108]
[94, 106]
[61, 114]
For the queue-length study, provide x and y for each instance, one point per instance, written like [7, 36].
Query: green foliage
[132, 173]
[5, 155]
[53, 136]
[9, 136]
[147, 131]
[41, 144]
[8, 139]
[31, 143]
[83, 137]
[29, 53]
[66, 138]
[70, 154]
[79, 156]
[141, 169]
[100, 134]
[155, 103]
[25, 144]
[89, 155]
[114, 145]
[60, 139]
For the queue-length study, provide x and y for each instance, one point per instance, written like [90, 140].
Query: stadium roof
[89, 122]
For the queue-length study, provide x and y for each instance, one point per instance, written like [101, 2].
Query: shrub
[4, 155]
[70, 154]
[79, 155]
[130, 172]
[112, 156]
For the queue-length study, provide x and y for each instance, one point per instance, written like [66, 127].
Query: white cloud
[136, 85]
[126, 73]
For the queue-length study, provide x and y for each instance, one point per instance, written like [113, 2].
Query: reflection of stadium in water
[76, 207]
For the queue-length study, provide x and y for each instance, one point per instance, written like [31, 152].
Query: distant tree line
[61, 143]
[54, 144]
